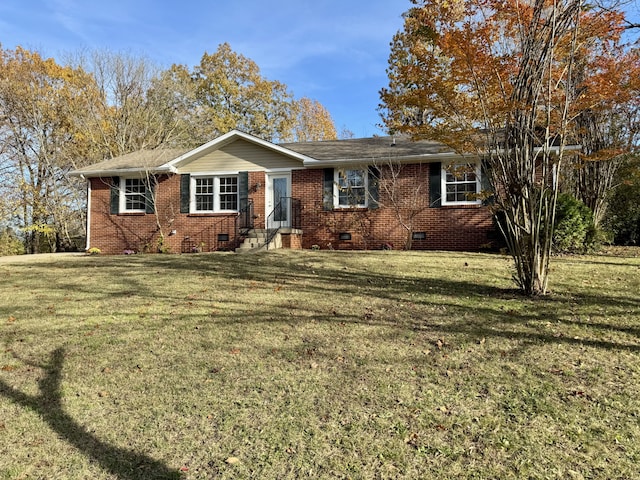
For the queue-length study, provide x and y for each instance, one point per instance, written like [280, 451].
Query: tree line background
[59, 116]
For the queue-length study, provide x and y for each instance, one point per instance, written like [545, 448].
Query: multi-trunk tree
[501, 80]
[42, 108]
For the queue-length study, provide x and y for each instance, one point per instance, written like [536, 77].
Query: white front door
[278, 200]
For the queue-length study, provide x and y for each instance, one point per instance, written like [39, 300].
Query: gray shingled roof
[367, 148]
[349, 150]
[140, 160]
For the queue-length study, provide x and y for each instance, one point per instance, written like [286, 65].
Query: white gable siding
[239, 156]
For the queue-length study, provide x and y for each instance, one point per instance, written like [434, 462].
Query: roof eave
[424, 158]
[122, 171]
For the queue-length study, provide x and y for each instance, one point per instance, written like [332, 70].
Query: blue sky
[333, 51]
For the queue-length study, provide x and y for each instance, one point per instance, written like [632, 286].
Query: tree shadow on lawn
[124, 464]
[488, 304]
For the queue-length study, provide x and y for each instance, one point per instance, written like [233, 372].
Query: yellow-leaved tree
[42, 110]
[313, 122]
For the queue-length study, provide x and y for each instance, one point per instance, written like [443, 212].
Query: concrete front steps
[256, 240]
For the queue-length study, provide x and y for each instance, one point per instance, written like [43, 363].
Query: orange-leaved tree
[499, 80]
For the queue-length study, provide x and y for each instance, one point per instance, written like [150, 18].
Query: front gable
[237, 151]
[236, 156]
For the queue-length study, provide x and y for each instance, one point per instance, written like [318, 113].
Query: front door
[278, 200]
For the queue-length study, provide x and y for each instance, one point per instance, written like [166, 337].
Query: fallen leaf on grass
[7, 368]
[184, 469]
[411, 439]
[232, 460]
[11, 319]
[234, 351]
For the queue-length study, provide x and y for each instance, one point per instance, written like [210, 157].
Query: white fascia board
[122, 171]
[229, 137]
[426, 158]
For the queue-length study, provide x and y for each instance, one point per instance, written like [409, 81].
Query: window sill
[461, 205]
[350, 209]
[131, 214]
[213, 214]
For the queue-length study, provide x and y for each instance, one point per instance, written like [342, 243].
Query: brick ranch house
[340, 194]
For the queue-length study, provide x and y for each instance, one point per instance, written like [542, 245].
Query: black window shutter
[115, 195]
[327, 189]
[374, 178]
[485, 185]
[243, 189]
[185, 196]
[150, 194]
[435, 186]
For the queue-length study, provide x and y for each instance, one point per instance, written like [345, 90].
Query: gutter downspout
[88, 245]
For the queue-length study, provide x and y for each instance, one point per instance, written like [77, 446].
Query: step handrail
[293, 209]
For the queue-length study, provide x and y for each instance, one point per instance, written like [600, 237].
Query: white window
[461, 184]
[350, 188]
[133, 193]
[214, 194]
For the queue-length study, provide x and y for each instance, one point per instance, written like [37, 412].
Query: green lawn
[318, 365]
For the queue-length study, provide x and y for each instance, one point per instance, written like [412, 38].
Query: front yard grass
[318, 365]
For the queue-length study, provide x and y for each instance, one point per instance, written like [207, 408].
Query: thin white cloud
[332, 50]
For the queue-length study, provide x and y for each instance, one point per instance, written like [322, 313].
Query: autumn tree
[42, 106]
[607, 122]
[137, 104]
[497, 80]
[232, 93]
[313, 122]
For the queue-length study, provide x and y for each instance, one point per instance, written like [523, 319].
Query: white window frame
[123, 195]
[337, 188]
[444, 183]
[216, 193]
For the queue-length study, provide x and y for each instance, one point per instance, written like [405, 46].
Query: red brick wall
[292, 240]
[447, 228]
[113, 234]
[256, 193]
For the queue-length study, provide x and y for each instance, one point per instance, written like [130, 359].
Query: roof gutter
[427, 158]
[123, 171]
